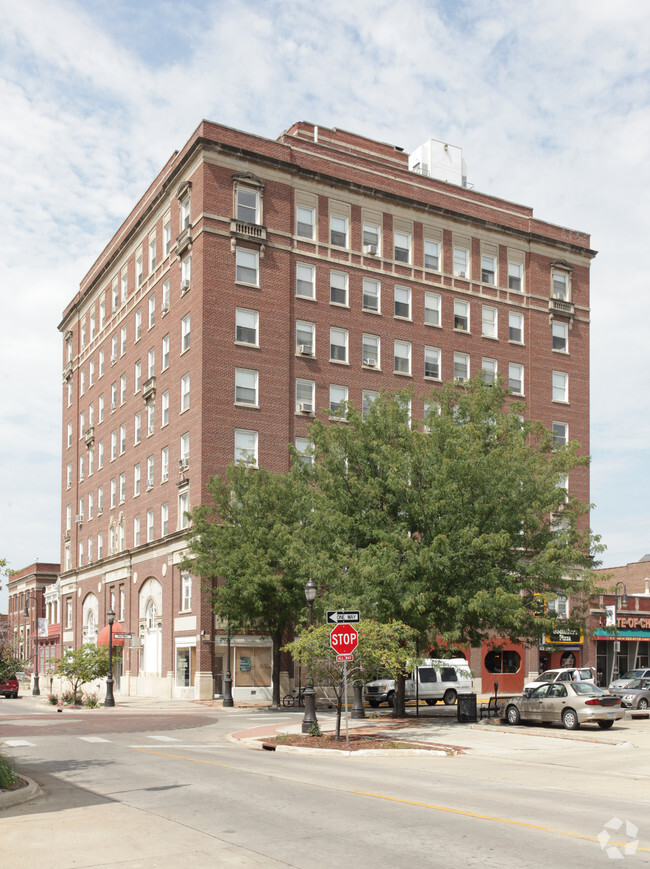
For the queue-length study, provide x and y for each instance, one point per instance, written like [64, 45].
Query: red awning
[102, 636]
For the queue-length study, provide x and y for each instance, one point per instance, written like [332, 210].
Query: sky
[549, 100]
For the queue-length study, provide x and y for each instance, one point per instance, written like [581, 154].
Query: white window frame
[560, 335]
[489, 322]
[489, 370]
[402, 357]
[339, 345]
[432, 255]
[402, 302]
[515, 317]
[371, 351]
[516, 378]
[305, 338]
[337, 397]
[302, 225]
[560, 381]
[402, 246]
[247, 387]
[246, 447]
[371, 294]
[432, 357]
[515, 276]
[461, 360]
[247, 266]
[185, 393]
[185, 333]
[339, 226]
[244, 211]
[164, 409]
[488, 269]
[339, 285]
[305, 281]
[433, 309]
[559, 439]
[241, 315]
[461, 315]
[461, 262]
[305, 396]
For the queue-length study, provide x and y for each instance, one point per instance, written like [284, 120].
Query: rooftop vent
[439, 160]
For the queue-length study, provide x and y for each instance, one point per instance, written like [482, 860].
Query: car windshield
[638, 683]
[586, 688]
[631, 674]
[549, 676]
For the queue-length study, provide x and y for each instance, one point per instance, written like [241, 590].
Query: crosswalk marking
[17, 743]
[93, 739]
[163, 738]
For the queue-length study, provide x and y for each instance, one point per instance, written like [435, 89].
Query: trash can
[467, 708]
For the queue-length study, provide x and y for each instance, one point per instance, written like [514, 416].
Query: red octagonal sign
[344, 639]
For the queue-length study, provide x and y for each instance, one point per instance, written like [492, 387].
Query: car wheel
[431, 702]
[15, 695]
[450, 697]
[374, 703]
[512, 715]
[605, 725]
[570, 719]
[391, 699]
[643, 703]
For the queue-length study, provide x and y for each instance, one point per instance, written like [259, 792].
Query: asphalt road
[155, 788]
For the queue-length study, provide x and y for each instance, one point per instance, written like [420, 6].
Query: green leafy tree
[10, 662]
[246, 545]
[454, 526]
[83, 665]
[384, 650]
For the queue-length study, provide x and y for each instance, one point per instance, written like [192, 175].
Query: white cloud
[548, 100]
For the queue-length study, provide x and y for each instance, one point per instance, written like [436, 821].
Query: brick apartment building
[35, 590]
[256, 283]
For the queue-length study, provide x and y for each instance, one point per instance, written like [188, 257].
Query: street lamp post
[227, 682]
[309, 718]
[616, 640]
[35, 688]
[110, 700]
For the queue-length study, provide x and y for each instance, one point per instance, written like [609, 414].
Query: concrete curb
[23, 795]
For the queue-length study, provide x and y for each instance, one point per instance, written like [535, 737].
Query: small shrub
[315, 730]
[53, 700]
[91, 701]
[67, 698]
[8, 777]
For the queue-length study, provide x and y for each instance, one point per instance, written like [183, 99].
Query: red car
[9, 687]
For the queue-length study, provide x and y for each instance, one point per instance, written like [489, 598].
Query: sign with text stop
[344, 640]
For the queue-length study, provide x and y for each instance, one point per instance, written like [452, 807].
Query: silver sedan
[635, 695]
[568, 703]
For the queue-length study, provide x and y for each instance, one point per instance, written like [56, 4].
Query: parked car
[563, 674]
[9, 687]
[626, 678]
[568, 703]
[434, 679]
[634, 695]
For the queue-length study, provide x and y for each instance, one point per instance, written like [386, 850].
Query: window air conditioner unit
[165, 309]
[113, 405]
[165, 477]
[304, 407]
[370, 249]
[79, 518]
[183, 463]
[149, 485]
[305, 350]
[370, 362]
[113, 358]
[185, 285]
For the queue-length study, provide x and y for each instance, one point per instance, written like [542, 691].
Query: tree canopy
[83, 665]
[248, 542]
[455, 525]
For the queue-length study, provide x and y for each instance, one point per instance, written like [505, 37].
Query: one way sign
[337, 617]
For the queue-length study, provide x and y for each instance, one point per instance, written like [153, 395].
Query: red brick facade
[340, 181]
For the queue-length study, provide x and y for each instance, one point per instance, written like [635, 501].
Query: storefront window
[506, 661]
[185, 664]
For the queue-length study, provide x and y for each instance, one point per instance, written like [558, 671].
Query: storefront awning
[621, 634]
[103, 636]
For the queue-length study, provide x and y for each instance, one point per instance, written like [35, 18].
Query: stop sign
[344, 639]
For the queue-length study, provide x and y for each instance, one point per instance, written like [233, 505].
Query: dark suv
[9, 687]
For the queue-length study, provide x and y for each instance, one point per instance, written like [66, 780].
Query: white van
[434, 679]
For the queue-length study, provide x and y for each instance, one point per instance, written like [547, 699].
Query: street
[154, 787]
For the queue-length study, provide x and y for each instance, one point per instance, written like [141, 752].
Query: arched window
[504, 661]
[151, 616]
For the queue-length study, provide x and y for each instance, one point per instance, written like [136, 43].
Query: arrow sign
[335, 617]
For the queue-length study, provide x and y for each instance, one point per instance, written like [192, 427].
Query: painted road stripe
[494, 818]
[163, 738]
[475, 815]
[93, 739]
[17, 743]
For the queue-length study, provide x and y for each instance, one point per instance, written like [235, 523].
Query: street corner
[26, 793]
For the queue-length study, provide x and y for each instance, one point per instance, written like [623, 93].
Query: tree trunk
[399, 707]
[275, 673]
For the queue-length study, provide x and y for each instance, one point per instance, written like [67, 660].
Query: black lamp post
[35, 688]
[616, 640]
[110, 700]
[227, 682]
[309, 718]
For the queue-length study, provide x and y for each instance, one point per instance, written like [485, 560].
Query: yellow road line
[435, 808]
[480, 817]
